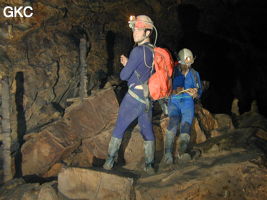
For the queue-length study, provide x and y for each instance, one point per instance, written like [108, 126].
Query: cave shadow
[218, 60]
[102, 76]
[37, 179]
[21, 121]
[110, 40]
[121, 172]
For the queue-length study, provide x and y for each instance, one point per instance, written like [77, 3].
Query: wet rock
[227, 176]
[133, 149]
[18, 189]
[224, 121]
[261, 134]
[164, 124]
[90, 117]
[216, 133]
[80, 159]
[76, 183]
[254, 106]
[252, 119]
[96, 147]
[235, 108]
[54, 170]
[159, 132]
[197, 135]
[206, 120]
[224, 125]
[57, 141]
[214, 149]
[43, 151]
[232, 139]
[47, 192]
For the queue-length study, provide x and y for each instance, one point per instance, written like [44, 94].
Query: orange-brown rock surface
[58, 140]
[76, 183]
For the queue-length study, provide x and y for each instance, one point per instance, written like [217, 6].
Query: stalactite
[10, 31]
[83, 65]
[6, 131]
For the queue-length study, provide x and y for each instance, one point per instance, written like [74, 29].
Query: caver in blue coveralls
[181, 107]
[181, 110]
[131, 108]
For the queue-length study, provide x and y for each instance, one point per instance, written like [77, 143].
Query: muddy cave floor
[233, 173]
[230, 166]
[236, 173]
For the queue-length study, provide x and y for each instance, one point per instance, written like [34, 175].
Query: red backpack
[160, 82]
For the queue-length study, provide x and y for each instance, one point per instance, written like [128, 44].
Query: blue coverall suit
[181, 107]
[131, 108]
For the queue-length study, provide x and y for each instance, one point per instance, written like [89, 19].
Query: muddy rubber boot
[184, 141]
[149, 147]
[113, 149]
[168, 147]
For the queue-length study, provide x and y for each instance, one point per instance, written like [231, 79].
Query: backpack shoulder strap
[151, 47]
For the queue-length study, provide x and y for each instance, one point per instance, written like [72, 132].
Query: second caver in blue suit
[181, 107]
[181, 111]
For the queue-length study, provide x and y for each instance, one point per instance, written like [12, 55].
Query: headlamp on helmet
[131, 22]
[140, 22]
[185, 57]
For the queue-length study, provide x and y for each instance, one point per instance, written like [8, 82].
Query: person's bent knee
[185, 127]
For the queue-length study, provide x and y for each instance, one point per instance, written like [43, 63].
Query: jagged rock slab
[50, 145]
[206, 120]
[197, 135]
[232, 139]
[55, 142]
[47, 192]
[90, 117]
[96, 147]
[261, 134]
[224, 121]
[77, 183]
[252, 119]
[17, 189]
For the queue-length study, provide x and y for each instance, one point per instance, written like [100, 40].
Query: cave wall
[41, 54]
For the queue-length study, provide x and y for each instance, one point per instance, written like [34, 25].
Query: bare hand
[179, 89]
[192, 92]
[124, 60]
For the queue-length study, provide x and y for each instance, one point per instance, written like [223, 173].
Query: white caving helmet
[142, 22]
[185, 57]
